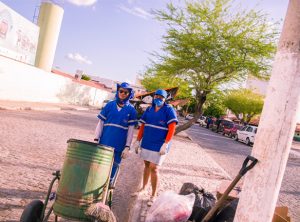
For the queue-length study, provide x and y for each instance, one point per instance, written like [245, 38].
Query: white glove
[125, 153]
[137, 146]
[163, 149]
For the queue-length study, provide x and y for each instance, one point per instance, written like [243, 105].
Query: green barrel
[86, 169]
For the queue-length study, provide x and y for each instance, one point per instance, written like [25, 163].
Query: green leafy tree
[210, 43]
[85, 77]
[214, 104]
[159, 81]
[244, 101]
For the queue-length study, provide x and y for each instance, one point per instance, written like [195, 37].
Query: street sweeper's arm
[125, 152]
[129, 135]
[98, 131]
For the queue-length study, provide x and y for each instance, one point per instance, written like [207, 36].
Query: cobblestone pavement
[186, 162]
[33, 145]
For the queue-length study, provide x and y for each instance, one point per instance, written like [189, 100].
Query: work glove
[125, 153]
[163, 149]
[137, 146]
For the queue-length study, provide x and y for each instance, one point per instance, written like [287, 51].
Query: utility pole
[277, 126]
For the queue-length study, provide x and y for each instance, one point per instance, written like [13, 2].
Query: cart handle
[245, 168]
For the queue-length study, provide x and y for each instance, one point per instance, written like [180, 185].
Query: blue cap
[127, 86]
[162, 93]
[124, 85]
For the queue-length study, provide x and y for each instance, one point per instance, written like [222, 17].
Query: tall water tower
[49, 21]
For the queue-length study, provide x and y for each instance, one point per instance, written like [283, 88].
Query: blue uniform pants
[115, 168]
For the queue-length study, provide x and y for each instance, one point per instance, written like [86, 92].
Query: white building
[260, 87]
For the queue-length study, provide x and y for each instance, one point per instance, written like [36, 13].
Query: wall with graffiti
[18, 36]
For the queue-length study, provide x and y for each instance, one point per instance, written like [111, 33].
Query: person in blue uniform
[116, 124]
[154, 139]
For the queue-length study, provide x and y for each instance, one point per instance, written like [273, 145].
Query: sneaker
[139, 192]
[151, 201]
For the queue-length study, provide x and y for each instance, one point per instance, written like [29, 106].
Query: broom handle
[105, 189]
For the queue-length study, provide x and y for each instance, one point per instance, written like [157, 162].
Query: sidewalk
[187, 162]
[38, 106]
[296, 145]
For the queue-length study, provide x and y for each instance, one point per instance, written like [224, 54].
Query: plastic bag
[203, 203]
[171, 207]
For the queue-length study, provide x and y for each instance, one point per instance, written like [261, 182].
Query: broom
[100, 212]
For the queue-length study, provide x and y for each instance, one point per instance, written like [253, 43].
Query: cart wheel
[32, 211]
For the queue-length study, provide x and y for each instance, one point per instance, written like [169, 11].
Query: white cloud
[78, 58]
[136, 11]
[82, 2]
[130, 1]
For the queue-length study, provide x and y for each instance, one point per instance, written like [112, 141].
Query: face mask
[158, 102]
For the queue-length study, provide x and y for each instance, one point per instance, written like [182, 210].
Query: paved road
[33, 145]
[230, 155]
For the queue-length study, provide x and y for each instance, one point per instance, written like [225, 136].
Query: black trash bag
[226, 213]
[203, 203]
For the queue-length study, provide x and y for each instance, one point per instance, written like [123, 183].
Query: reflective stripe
[158, 127]
[131, 121]
[102, 116]
[142, 121]
[116, 125]
[172, 120]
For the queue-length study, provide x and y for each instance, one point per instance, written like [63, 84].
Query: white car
[246, 134]
[202, 121]
[189, 116]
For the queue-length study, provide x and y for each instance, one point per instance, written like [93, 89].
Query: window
[249, 129]
[244, 128]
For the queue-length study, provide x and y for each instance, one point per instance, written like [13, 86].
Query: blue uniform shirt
[156, 126]
[116, 124]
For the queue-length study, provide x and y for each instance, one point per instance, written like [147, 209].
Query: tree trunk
[187, 124]
[198, 113]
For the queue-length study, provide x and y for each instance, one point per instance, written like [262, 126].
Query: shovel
[245, 168]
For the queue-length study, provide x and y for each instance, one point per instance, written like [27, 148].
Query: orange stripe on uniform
[141, 132]
[171, 131]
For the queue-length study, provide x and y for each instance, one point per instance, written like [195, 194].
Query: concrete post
[277, 125]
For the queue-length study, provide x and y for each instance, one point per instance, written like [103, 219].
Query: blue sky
[113, 38]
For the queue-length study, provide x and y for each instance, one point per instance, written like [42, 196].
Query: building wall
[256, 85]
[18, 37]
[260, 87]
[22, 82]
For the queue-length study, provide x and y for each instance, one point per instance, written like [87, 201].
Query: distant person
[153, 140]
[209, 120]
[116, 124]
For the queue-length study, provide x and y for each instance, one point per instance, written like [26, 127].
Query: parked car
[189, 116]
[202, 121]
[219, 125]
[246, 134]
[231, 129]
